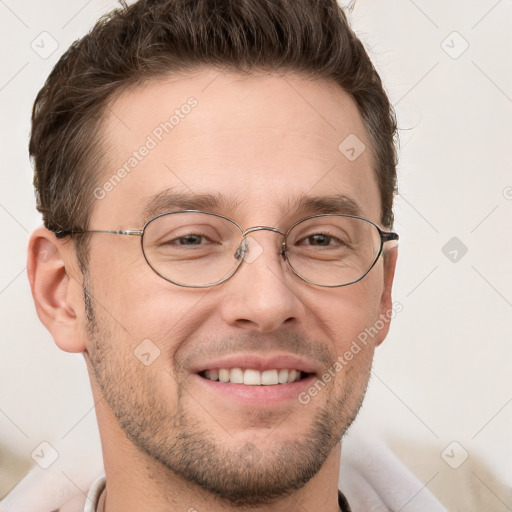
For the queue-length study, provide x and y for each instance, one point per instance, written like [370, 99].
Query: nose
[263, 294]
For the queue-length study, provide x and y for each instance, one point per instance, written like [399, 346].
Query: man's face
[259, 144]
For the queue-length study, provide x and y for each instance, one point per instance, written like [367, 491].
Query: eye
[321, 240]
[189, 237]
[192, 239]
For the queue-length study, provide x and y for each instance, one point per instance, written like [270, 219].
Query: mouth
[255, 380]
[253, 377]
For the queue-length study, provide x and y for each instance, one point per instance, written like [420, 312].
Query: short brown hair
[154, 38]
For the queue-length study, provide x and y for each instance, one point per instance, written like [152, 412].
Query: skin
[263, 140]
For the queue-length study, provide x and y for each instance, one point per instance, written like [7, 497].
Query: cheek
[139, 308]
[351, 311]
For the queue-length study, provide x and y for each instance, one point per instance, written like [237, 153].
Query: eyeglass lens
[201, 249]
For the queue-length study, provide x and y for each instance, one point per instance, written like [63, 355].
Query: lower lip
[257, 395]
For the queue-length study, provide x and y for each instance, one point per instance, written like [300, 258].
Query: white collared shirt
[96, 496]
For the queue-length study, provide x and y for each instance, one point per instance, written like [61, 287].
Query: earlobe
[386, 301]
[56, 288]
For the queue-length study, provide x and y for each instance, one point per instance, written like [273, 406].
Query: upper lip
[256, 362]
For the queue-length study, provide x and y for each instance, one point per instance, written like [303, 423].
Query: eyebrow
[168, 200]
[340, 204]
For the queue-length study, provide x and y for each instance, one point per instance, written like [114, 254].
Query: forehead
[258, 144]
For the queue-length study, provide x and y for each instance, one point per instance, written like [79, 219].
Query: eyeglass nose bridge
[262, 228]
[242, 248]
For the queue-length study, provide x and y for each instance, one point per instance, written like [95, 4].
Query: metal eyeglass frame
[385, 236]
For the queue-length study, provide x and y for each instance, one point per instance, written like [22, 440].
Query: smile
[252, 377]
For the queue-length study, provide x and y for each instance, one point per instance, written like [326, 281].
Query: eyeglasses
[199, 249]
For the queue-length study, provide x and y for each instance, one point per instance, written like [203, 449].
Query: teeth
[269, 378]
[212, 374]
[251, 377]
[293, 375]
[237, 376]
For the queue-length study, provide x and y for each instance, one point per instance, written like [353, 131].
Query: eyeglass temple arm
[134, 232]
[387, 236]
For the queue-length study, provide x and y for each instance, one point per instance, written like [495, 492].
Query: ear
[386, 308]
[56, 285]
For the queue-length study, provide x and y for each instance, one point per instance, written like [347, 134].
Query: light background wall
[443, 375]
